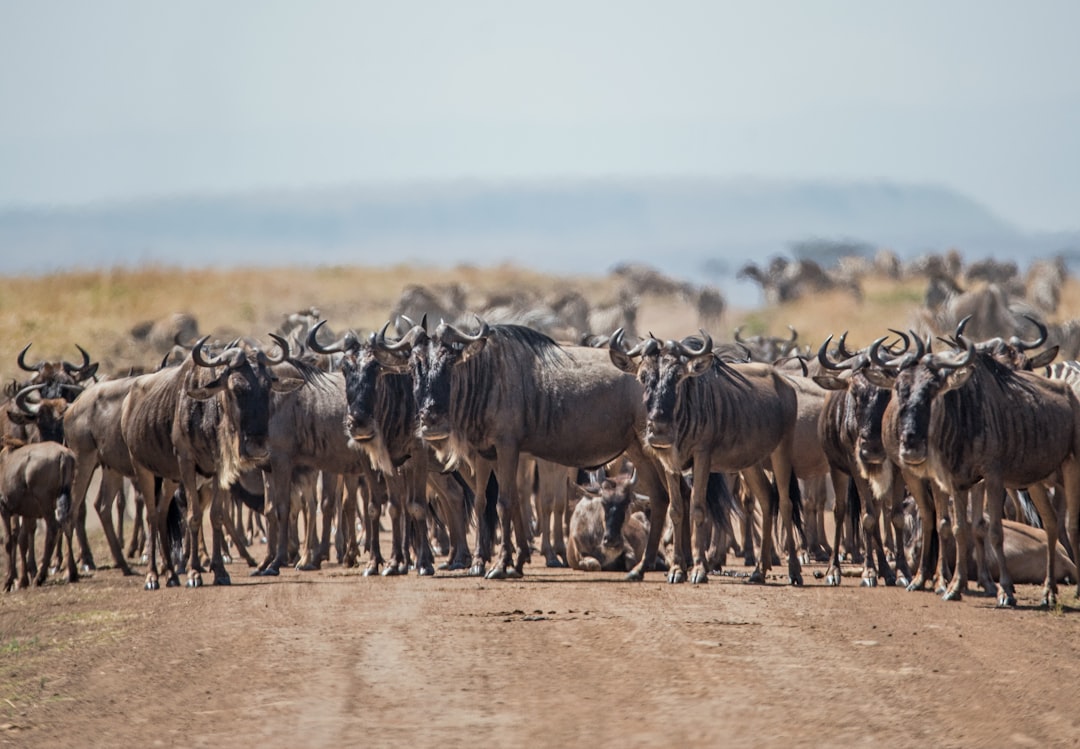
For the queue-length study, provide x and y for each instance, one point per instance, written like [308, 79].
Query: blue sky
[117, 100]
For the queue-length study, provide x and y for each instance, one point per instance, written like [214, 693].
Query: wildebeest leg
[145, 483]
[450, 500]
[977, 498]
[506, 461]
[235, 531]
[652, 484]
[10, 543]
[875, 547]
[328, 506]
[1071, 472]
[52, 529]
[24, 529]
[961, 527]
[840, 482]
[748, 525]
[758, 484]
[373, 506]
[86, 555]
[920, 491]
[681, 552]
[419, 516]
[218, 518]
[111, 485]
[278, 491]
[137, 546]
[896, 520]
[700, 523]
[197, 499]
[483, 474]
[1049, 516]
[995, 506]
[347, 521]
[785, 478]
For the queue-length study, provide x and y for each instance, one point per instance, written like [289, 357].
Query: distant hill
[687, 226]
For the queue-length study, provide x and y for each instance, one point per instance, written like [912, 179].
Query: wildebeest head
[47, 414]
[245, 383]
[617, 499]
[867, 402]
[916, 381]
[661, 369]
[433, 373]
[361, 369]
[55, 376]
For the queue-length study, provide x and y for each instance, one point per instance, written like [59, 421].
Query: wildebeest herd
[630, 453]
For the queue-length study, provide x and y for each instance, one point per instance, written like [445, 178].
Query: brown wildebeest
[711, 416]
[607, 531]
[35, 483]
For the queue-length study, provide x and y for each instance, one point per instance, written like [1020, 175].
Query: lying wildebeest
[607, 530]
[35, 483]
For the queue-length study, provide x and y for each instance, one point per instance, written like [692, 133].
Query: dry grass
[98, 309]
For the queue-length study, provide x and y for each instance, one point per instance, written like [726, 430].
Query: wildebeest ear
[1043, 358]
[699, 365]
[956, 378]
[209, 390]
[830, 382]
[879, 378]
[286, 384]
[472, 349]
[625, 363]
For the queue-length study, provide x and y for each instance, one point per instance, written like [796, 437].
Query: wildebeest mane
[542, 346]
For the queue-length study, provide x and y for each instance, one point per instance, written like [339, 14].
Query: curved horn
[920, 347]
[457, 336]
[903, 337]
[794, 334]
[875, 355]
[823, 356]
[285, 352]
[75, 369]
[955, 362]
[197, 354]
[76, 389]
[1026, 345]
[402, 344]
[737, 338]
[960, 327]
[842, 349]
[30, 409]
[706, 345]
[22, 360]
[336, 347]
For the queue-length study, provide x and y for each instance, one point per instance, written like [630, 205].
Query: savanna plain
[558, 658]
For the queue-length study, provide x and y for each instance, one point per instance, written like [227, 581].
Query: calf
[606, 533]
[35, 482]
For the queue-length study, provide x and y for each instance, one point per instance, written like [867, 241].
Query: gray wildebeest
[35, 482]
[708, 415]
[508, 390]
[205, 418]
[381, 423]
[962, 417]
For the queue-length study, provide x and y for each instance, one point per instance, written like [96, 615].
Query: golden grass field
[97, 309]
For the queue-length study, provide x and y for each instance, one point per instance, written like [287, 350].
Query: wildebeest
[708, 415]
[381, 422]
[205, 418]
[35, 483]
[508, 390]
[961, 417]
[607, 531]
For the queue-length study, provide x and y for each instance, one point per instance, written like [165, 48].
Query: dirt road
[557, 659]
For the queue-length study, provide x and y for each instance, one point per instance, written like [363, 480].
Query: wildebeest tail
[254, 501]
[63, 505]
[470, 496]
[795, 492]
[1027, 507]
[174, 527]
[854, 502]
[720, 502]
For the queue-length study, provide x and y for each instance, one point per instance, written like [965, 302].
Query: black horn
[22, 360]
[1026, 345]
[76, 370]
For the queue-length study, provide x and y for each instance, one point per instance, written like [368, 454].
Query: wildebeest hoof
[796, 579]
[87, 567]
[1006, 600]
[757, 577]
[425, 570]
[172, 581]
[391, 570]
[555, 562]
[194, 581]
[634, 576]
[498, 572]
[676, 576]
[310, 567]
[268, 572]
[902, 581]
[370, 571]
[513, 573]
[126, 571]
[869, 582]
[953, 594]
[477, 570]
[832, 580]
[222, 580]
[226, 558]
[699, 577]
[151, 584]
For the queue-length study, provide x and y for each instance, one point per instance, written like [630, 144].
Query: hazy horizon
[121, 100]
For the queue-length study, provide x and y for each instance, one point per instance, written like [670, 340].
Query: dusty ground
[560, 658]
